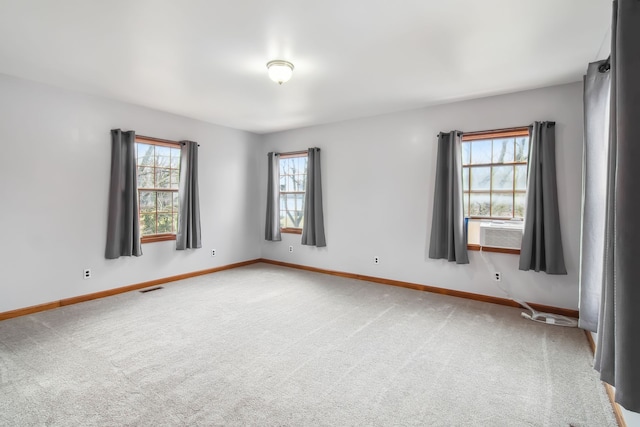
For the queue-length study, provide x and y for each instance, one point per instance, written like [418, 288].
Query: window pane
[521, 177]
[481, 151]
[165, 201]
[175, 158]
[163, 178]
[145, 177]
[165, 223]
[480, 178]
[175, 178]
[295, 219]
[147, 201]
[291, 183]
[176, 201]
[466, 153]
[519, 205]
[522, 149]
[300, 201]
[465, 179]
[465, 202]
[291, 202]
[503, 150]
[145, 154]
[288, 219]
[288, 166]
[163, 156]
[298, 182]
[502, 205]
[479, 204]
[175, 222]
[502, 178]
[148, 224]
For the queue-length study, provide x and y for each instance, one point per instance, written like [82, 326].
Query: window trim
[160, 237]
[291, 155]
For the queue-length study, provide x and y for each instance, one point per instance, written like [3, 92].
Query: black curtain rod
[168, 141]
[605, 66]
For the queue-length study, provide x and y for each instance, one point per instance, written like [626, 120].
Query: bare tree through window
[158, 169]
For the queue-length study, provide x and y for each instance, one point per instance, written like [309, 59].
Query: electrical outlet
[497, 276]
[86, 273]
[213, 252]
[376, 260]
[290, 248]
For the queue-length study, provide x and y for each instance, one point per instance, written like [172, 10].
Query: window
[158, 164]
[494, 182]
[293, 177]
[494, 173]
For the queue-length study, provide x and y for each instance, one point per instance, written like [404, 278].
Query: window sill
[157, 238]
[474, 247]
[291, 230]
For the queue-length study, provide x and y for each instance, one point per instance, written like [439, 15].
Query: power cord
[536, 316]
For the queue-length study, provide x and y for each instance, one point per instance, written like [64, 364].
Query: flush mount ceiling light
[280, 71]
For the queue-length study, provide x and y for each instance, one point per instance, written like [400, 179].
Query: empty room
[338, 213]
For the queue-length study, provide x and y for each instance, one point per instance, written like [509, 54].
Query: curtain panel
[448, 235]
[618, 347]
[597, 83]
[541, 248]
[123, 223]
[188, 235]
[272, 220]
[313, 225]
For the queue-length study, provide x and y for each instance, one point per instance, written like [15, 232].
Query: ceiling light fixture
[280, 71]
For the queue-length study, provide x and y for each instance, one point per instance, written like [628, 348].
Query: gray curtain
[594, 190]
[189, 233]
[541, 248]
[272, 221]
[448, 234]
[123, 223]
[618, 346]
[313, 225]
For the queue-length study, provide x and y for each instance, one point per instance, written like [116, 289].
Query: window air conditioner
[507, 235]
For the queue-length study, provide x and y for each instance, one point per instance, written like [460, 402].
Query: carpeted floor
[264, 345]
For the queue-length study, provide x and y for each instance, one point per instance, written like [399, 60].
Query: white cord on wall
[536, 316]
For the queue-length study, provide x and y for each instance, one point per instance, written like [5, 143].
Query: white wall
[378, 178]
[378, 187]
[632, 419]
[54, 181]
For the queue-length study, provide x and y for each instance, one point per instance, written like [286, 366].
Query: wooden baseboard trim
[29, 310]
[617, 411]
[109, 292]
[592, 343]
[616, 408]
[460, 294]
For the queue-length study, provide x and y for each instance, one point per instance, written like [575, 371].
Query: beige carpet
[264, 345]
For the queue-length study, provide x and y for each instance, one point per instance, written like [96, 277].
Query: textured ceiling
[206, 59]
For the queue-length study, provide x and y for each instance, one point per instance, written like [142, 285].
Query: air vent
[501, 235]
[144, 291]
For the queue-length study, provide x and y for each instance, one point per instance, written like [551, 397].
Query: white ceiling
[206, 59]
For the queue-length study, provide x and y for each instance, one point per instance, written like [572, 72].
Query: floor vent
[144, 291]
